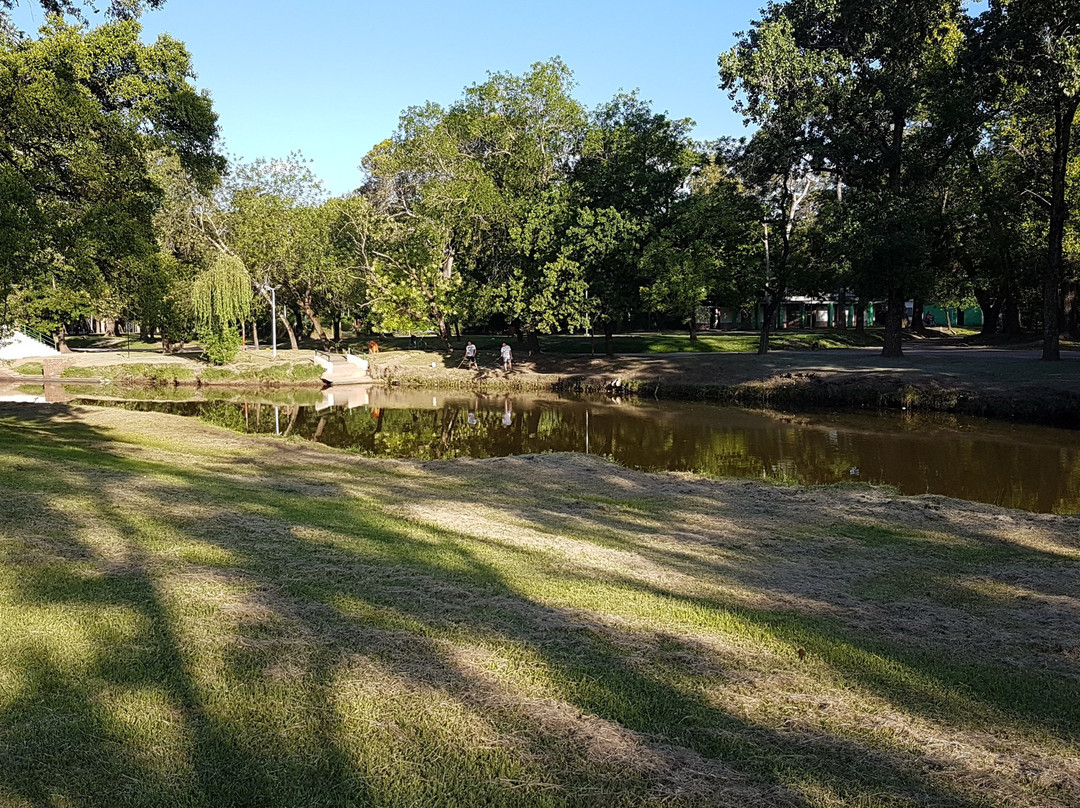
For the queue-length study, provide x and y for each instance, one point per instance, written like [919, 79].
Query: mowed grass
[644, 343]
[194, 617]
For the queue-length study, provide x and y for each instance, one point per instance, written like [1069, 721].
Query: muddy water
[1033, 468]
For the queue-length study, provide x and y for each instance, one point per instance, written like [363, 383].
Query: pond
[1018, 466]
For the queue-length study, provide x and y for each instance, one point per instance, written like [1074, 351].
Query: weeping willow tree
[220, 301]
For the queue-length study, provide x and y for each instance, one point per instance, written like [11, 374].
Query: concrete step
[342, 369]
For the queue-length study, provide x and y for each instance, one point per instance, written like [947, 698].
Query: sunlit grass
[194, 617]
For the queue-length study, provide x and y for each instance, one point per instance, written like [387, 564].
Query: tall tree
[489, 171]
[1036, 46]
[81, 113]
[779, 88]
[116, 9]
[275, 221]
[874, 64]
[632, 169]
[396, 264]
[708, 246]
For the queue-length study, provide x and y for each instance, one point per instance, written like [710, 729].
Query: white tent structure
[17, 345]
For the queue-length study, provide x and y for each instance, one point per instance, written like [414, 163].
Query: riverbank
[145, 368]
[989, 382]
[994, 383]
[200, 617]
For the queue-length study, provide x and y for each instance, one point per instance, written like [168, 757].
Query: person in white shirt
[507, 356]
[470, 354]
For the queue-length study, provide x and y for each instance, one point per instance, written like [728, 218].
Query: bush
[220, 346]
[30, 369]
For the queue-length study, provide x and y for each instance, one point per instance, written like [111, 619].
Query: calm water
[1033, 468]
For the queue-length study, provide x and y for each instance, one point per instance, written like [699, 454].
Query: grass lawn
[192, 617]
[644, 343]
[710, 342]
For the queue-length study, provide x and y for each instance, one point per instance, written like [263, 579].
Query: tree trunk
[918, 311]
[299, 318]
[255, 334]
[444, 334]
[769, 312]
[860, 316]
[894, 317]
[991, 309]
[316, 325]
[283, 316]
[841, 309]
[1012, 325]
[894, 325]
[1072, 308]
[533, 341]
[60, 338]
[1064, 116]
[337, 328]
[693, 326]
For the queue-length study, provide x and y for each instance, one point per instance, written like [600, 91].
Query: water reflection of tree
[1026, 467]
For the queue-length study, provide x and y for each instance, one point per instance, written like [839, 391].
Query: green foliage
[30, 369]
[278, 222]
[220, 344]
[631, 170]
[220, 299]
[494, 206]
[221, 294]
[82, 112]
[708, 247]
[116, 9]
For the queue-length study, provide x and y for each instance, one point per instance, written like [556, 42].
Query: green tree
[116, 9]
[80, 114]
[1035, 44]
[488, 173]
[782, 89]
[874, 65]
[275, 220]
[708, 247]
[632, 167]
[395, 265]
[220, 301]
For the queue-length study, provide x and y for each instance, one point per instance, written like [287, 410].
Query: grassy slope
[194, 617]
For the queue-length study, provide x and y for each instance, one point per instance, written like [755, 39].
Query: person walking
[507, 357]
[470, 355]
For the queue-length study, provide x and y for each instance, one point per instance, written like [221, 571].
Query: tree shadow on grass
[323, 588]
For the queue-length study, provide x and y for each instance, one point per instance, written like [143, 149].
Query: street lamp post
[273, 316]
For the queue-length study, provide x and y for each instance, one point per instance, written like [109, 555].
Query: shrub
[220, 345]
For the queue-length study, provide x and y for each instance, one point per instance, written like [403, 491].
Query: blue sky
[330, 77]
